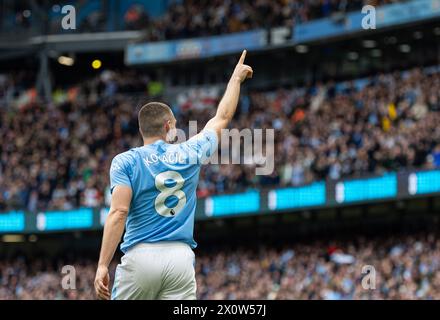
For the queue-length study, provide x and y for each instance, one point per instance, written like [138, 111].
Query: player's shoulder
[126, 158]
[206, 136]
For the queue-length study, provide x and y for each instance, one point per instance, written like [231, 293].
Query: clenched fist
[242, 71]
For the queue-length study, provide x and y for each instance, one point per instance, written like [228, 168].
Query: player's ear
[167, 126]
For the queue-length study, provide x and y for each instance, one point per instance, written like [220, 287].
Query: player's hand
[242, 71]
[102, 280]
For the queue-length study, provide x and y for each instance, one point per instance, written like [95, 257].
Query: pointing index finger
[243, 56]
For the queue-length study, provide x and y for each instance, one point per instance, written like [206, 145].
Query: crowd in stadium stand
[191, 18]
[195, 18]
[57, 156]
[405, 267]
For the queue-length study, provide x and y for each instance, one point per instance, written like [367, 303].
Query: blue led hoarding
[291, 198]
[367, 189]
[12, 221]
[424, 182]
[390, 186]
[232, 204]
[62, 220]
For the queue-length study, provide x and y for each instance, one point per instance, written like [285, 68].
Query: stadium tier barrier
[385, 16]
[317, 195]
[166, 51]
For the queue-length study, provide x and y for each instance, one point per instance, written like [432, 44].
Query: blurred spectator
[406, 267]
[57, 156]
[189, 18]
[136, 18]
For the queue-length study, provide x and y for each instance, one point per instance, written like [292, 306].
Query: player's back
[163, 178]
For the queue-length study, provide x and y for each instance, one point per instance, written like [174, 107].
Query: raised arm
[113, 230]
[228, 104]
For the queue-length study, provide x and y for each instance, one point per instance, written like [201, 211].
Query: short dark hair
[151, 118]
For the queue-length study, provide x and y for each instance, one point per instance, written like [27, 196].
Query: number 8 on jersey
[166, 191]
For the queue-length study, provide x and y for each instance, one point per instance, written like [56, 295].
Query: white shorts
[150, 271]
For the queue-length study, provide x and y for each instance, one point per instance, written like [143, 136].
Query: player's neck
[151, 140]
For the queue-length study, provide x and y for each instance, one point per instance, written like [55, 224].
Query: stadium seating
[182, 19]
[384, 123]
[407, 267]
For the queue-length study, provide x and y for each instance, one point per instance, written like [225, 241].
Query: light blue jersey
[163, 178]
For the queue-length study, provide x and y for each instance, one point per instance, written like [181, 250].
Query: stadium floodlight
[369, 44]
[26, 13]
[13, 238]
[405, 48]
[66, 61]
[96, 64]
[418, 35]
[302, 48]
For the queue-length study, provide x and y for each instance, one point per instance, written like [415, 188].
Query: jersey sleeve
[202, 145]
[119, 172]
